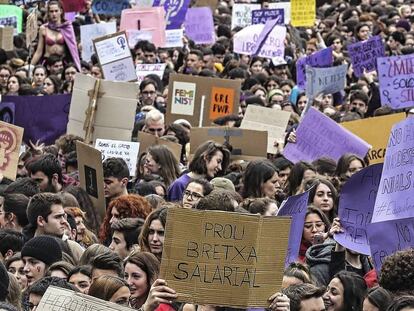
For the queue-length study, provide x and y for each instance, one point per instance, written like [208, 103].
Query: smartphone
[317, 239]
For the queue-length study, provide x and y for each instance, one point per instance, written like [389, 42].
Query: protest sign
[142, 70]
[174, 12]
[285, 6]
[273, 121]
[224, 259]
[262, 16]
[247, 40]
[91, 32]
[11, 137]
[135, 35]
[115, 105]
[318, 136]
[303, 13]
[91, 175]
[356, 205]
[201, 99]
[174, 38]
[147, 140]
[126, 150]
[364, 54]
[11, 15]
[246, 144]
[146, 19]
[396, 81]
[242, 14]
[295, 206]
[31, 28]
[144, 3]
[395, 199]
[73, 5]
[320, 59]
[375, 131]
[115, 57]
[61, 299]
[325, 80]
[6, 38]
[109, 7]
[199, 25]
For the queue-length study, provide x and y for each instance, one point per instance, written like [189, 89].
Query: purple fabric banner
[319, 136]
[395, 198]
[43, 118]
[364, 54]
[175, 11]
[199, 25]
[296, 207]
[395, 76]
[320, 59]
[356, 205]
[262, 16]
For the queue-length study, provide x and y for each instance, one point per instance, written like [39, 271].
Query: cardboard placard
[375, 131]
[93, 31]
[247, 144]
[224, 259]
[32, 28]
[116, 106]
[325, 80]
[11, 137]
[142, 70]
[200, 99]
[147, 140]
[91, 175]
[272, 121]
[115, 57]
[6, 38]
[242, 14]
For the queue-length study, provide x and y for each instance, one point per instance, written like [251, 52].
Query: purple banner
[364, 54]
[199, 25]
[296, 207]
[396, 81]
[262, 16]
[175, 12]
[320, 59]
[43, 118]
[356, 205]
[395, 198]
[319, 136]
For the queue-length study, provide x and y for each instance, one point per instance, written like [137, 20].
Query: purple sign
[388, 237]
[320, 59]
[396, 81]
[199, 25]
[395, 198]
[364, 54]
[319, 136]
[356, 205]
[43, 118]
[262, 16]
[296, 207]
[175, 12]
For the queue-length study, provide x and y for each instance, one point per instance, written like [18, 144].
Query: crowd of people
[52, 234]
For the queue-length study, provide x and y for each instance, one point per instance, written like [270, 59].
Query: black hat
[44, 248]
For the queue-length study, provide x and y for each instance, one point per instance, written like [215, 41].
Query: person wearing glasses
[195, 191]
[154, 123]
[148, 92]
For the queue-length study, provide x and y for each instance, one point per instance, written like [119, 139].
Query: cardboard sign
[92, 31]
[246, 144]
[147, 140]
[262, 16]
[60, 299]
[303, 13]
[126, 150]
[115, 113]
[115, 57]
[274, 122]
[6, 38]
[200, 99]
[143, 70]
[319, 136]
[395, 199]
[174, 38]
[146, 19]
[32, 28]
[91, 175]
[73, 5]
[364, 54]
[224, 259]
[242, 14]
[375, 131]
[109, 7]
[11, 15]
[11, 137]
[174, 12]
[212, 4]
[356, 205]
[395, 78]
[199, 25]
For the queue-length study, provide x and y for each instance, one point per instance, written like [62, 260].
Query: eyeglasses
[193, 195]
[155, 130]
[148, 93]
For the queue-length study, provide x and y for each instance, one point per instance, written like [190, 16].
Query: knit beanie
[43, 248]
[4, 282]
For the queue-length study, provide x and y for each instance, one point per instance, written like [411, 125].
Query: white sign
[135, 35]
[174, 38]
[242, 14]
[112, 49]
[286, 9]
[93, 31]
[142, 70]
[184, 94]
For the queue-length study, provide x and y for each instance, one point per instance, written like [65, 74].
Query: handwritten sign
[225, 259]
[395, 199]
[396, 81]
[375, 131]
[6, 38]
[174, 38]
[318, 136]
[364, 54]
[295, 206]
[242, 14]
[222, 101]
[91, 32]
[199, 25]
[134, 36]
[262, 16]
[11, 137]
[174, 11]
[325, 80]
[109, 7]
[303, 13]
[143, 70]
[147, 140]
[11, 15]
[356, 205]
[119, 149]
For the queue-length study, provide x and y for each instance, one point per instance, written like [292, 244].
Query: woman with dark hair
[301, 102]
[15, 266]
[51, 85]
[151, 238]
[348, 165]
[261, 206]
[110, 288]
[378, 299]
[403, 303]
[323, 195]
[256, 65]
[183, 137]
[296, 273]
[300, 172]
[260, 180]
[14, 84]
[210, 160]
[362, 32]
[195, 191]
[39, 76]
[69, 72]
[81, 278]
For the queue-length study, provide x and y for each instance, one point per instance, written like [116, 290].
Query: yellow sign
[303, 13]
